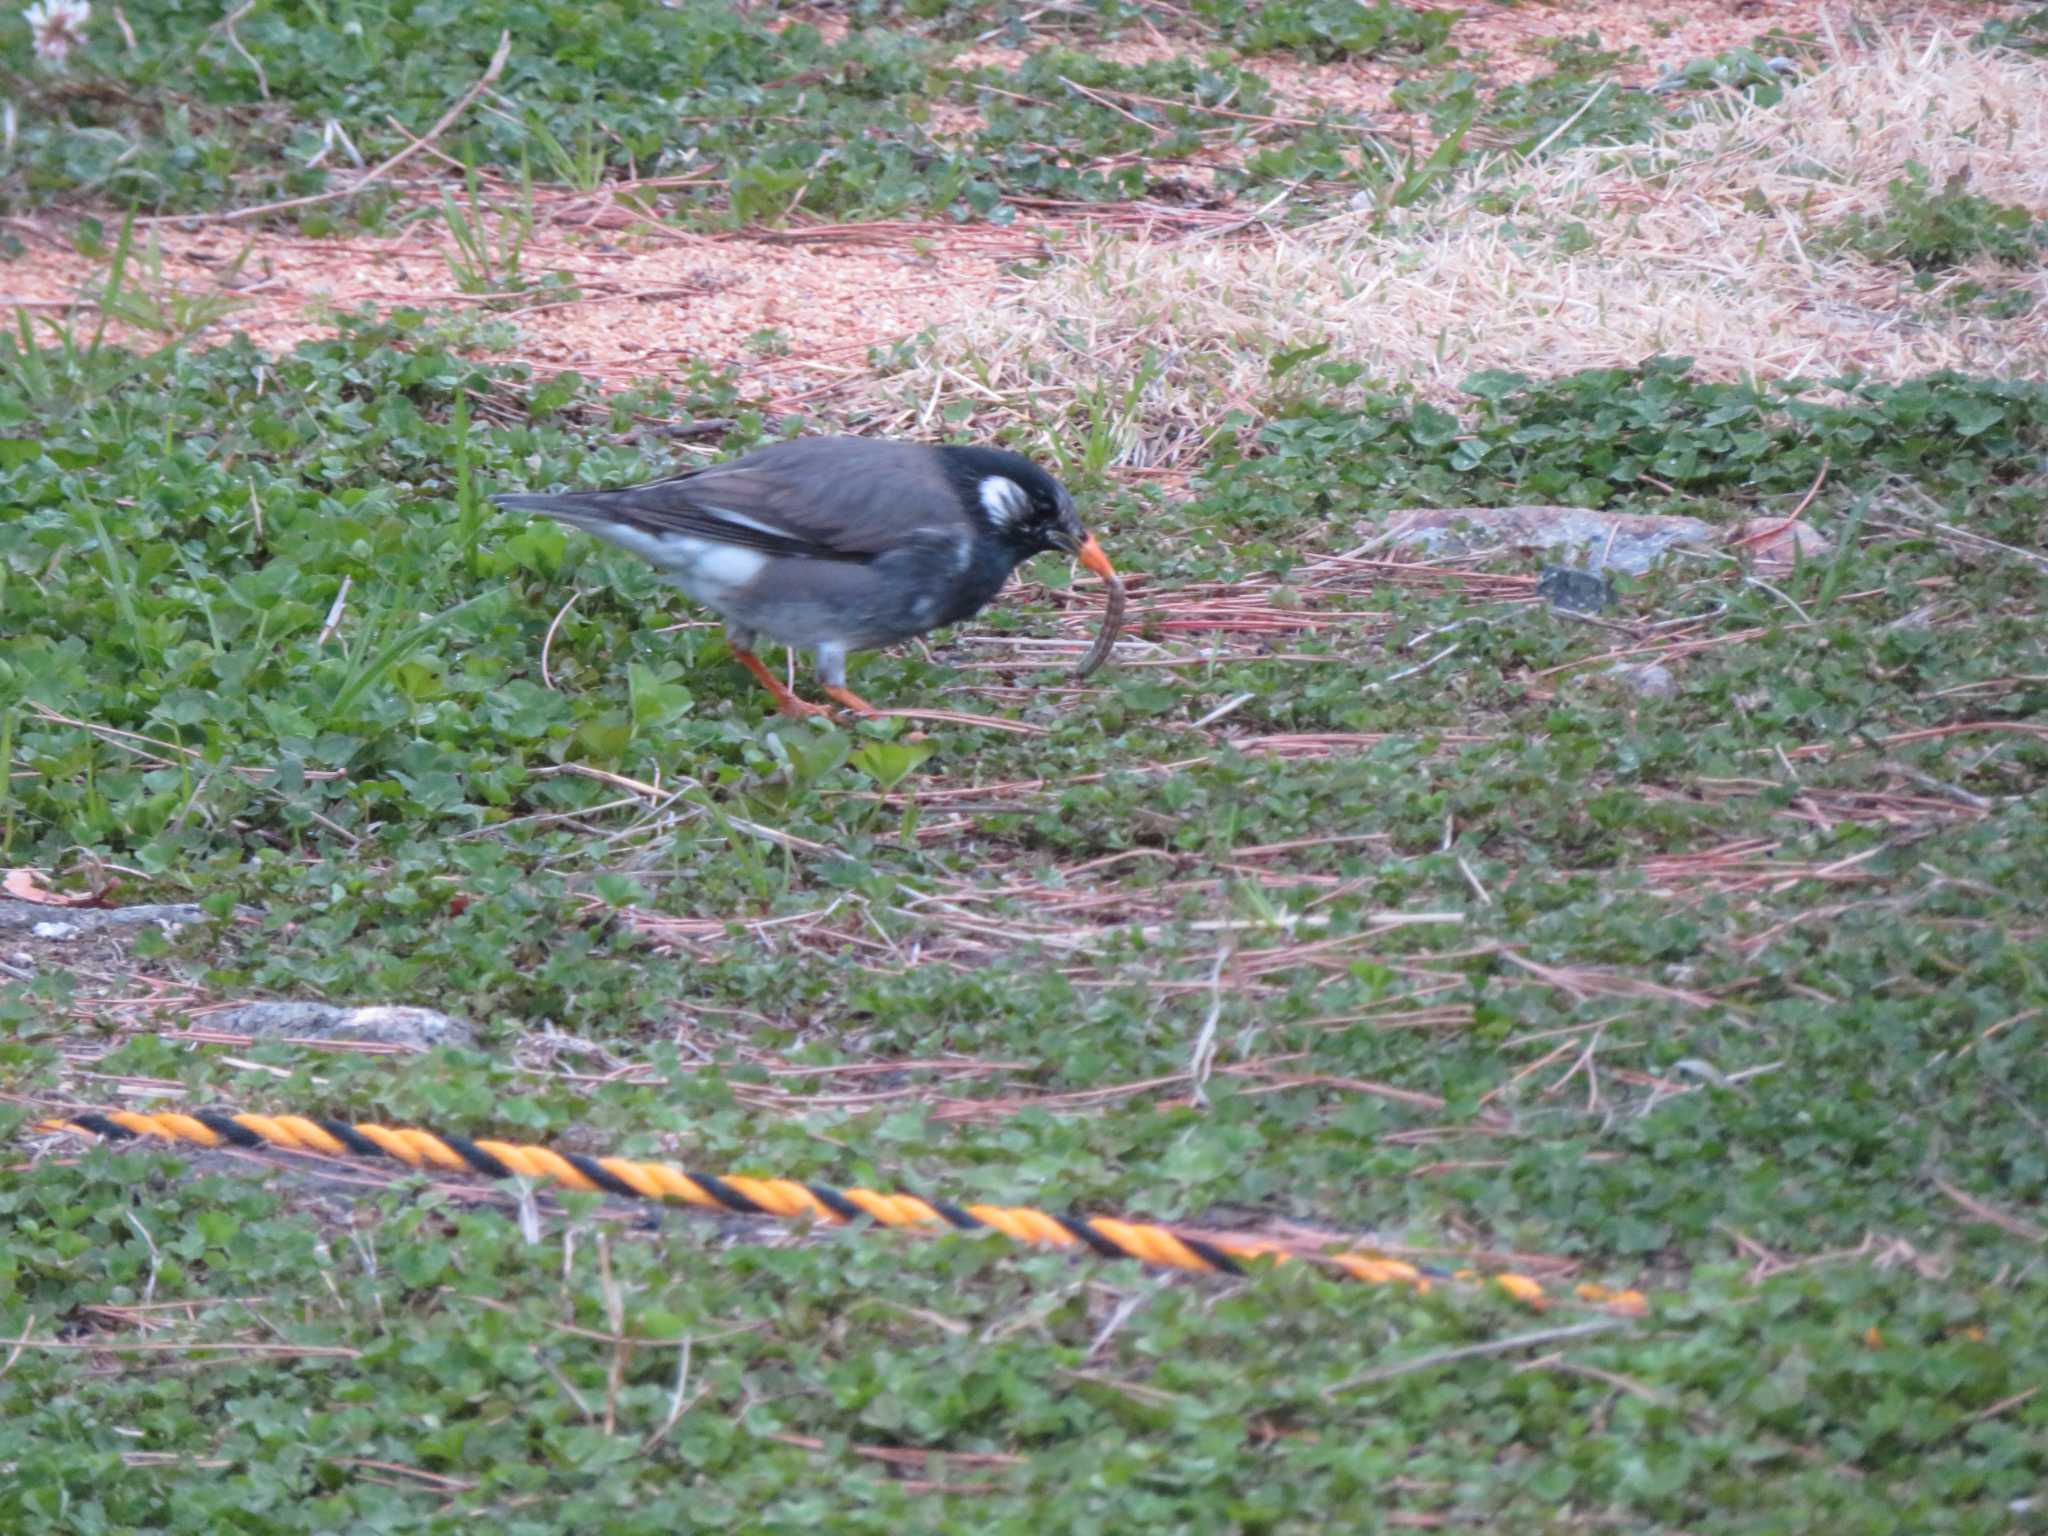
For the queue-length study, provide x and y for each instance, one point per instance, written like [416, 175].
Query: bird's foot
[854, 703]
[785, 701]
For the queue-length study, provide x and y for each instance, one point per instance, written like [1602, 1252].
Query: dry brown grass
[1708, 242]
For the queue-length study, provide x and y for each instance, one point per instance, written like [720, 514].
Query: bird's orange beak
[1090, 554]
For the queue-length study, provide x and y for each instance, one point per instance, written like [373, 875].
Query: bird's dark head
[1023, 507]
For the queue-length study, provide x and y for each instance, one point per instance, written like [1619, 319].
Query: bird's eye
[1004, 500]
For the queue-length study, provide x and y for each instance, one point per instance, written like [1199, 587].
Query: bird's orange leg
[785, 701]
[852, 701]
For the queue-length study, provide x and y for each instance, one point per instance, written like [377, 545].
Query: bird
[836, 544]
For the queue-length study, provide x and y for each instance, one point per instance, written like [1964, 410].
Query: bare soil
[801, 312]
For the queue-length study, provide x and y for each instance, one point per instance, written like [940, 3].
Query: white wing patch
[705, 568]
[727, 515]
[1004, 500]
[723, 567]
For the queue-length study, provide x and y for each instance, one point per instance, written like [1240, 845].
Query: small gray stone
[418, 1028]
[1575, 591]
[1651, 679]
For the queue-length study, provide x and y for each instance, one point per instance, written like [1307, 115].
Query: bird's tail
[583, 509]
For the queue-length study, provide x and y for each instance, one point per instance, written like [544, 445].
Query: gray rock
[1618, 541]
[419, 1028]
[1575, 591]
[35, 916]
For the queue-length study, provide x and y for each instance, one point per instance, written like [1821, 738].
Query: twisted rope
[740, 1194]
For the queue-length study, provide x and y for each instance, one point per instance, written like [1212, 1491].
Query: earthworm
[1112, 624]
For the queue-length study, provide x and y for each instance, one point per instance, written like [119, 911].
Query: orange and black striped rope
[739, 1194]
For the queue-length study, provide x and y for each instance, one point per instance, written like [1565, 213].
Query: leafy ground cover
[1364, 893]
[715, 110]
[722, 115]
[1753, 989]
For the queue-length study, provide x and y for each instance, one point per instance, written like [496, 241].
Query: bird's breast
[969, 587]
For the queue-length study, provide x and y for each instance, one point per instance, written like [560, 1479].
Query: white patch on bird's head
[1004, 500]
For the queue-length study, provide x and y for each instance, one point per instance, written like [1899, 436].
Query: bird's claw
[855, 705]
